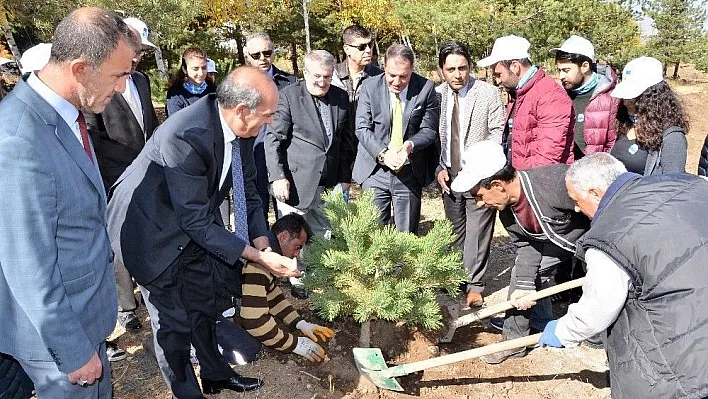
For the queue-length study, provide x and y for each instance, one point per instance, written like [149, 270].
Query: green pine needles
[368, 270]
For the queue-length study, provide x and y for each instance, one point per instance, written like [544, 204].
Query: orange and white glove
[309, 350]
[315, 332]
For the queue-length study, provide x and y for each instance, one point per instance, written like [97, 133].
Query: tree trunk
[676, 68]
[293, 57]
[9, 37]
[238, 36]
[160, 63]
[365, 335]
[306, 18]
[378, 51]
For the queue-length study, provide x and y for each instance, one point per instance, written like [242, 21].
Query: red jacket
[542, 132]
[600, 114]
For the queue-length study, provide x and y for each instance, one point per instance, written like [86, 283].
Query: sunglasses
[265, 54]
[361, 47]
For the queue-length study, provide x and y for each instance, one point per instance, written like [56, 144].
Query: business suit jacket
[282, 79]
[116, 133]
[420, 125]
[295, 145]
[482, 115]
[57, 281]
[170, 195]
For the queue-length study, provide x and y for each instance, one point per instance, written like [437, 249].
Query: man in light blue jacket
[57, 281]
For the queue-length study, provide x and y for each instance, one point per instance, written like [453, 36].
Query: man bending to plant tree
[540, 217]
[263, 304]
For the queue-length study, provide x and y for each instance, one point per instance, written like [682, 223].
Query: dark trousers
[518, 323]
[262, 180]
[182, 311]
[400, 190]
[473, 228]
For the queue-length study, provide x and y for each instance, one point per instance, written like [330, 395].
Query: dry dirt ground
[544, 373]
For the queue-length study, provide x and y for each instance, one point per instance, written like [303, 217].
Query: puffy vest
[656, 229]
[600, 114]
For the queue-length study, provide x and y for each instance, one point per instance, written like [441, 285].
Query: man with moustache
[539, 122]
[308, 145]
[164, 224]
[541, 220]
[471, 111]
[357, 67]
[396, 124]
[57, 281]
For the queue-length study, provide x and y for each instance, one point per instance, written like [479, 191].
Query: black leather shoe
[238, 384]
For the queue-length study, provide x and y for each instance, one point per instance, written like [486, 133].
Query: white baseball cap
[35, 58]
[638, 75]
[211, 66]
[480, 161]
[577, 45]
[4, 61]
[142, 29]
[507, 48]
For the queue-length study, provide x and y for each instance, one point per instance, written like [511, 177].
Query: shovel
[500, 307]
[372, 366]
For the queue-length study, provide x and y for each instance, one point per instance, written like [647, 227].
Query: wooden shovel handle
[501, 307]
[409, 368]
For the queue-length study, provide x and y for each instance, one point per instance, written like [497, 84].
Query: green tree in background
[680, 31]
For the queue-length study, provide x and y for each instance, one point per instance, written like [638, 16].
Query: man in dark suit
[397, 127]
[119, 134]
[164, 223]
[57, 282]
[259, 54]
[308, 145]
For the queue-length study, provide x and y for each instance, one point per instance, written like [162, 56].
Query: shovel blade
[372, 366]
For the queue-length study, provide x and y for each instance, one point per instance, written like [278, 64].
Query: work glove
[315, 332]
[519, 302]
[548, 338]
[309, 350]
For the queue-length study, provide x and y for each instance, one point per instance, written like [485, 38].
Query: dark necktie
[84, 135]
[455, 136]
[239, 193]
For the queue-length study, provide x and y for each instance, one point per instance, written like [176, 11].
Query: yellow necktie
[396, 142]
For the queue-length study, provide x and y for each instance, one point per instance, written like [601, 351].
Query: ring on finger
[83, 383]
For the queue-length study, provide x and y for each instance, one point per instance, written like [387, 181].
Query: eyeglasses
[265, 54]
[317, 77]
[360, 47]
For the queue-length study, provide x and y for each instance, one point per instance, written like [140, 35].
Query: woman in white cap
[651, 122]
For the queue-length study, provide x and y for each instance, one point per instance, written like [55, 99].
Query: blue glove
[548, 338]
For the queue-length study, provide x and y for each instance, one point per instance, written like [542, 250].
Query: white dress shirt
[229, 137]
[604, 294]
[448, 121]
[132, 97]
[64, 108]
[402, 96]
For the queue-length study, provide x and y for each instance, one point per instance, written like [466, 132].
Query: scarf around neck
[195, 89]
